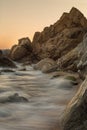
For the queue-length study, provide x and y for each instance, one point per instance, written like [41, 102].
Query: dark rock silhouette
[1, 53]
[6, 62]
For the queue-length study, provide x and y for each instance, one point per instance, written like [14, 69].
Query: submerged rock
[75, 116]
[22, 69]
[14, 98]
[72, 79]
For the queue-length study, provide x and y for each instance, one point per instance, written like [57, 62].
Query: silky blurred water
[47, 100]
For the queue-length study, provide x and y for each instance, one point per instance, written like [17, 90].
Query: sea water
[47, 100]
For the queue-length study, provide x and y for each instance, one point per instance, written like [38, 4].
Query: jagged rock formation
[54, 41]
[60, 38]
[21, 50]
[75, 116]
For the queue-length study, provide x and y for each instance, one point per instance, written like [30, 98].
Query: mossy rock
[71, 78]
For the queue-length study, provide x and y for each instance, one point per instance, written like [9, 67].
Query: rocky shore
[59, 50]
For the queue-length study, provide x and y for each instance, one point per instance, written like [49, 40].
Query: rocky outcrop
[75, 116]
[60, 38]
[54, 41]
[44, 65]
[69, 61]
[75, 60]
[6, 62]
[21, 50]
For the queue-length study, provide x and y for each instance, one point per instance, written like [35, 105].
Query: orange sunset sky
[22, 18]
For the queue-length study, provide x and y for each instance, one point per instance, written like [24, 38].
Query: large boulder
[75, 115]
[6, 62]
[21, 50]
[60, 38]
[45, 64]
[69, 61]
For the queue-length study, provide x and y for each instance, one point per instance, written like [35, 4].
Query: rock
[44, 65]
[75, 116]
[62, 37]
[68, 61]
[82, 64]
[7, 62]
[52, 69]
[12, 48]
[14, 98]
[18, 53]
[1, 53]
[26, 63]
[22, 69]
[17, 98]
[76, 59]
[21, 50]
[81, 75]
[72, 79]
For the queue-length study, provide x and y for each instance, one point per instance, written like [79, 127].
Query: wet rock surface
[13, 99]
[75, 117]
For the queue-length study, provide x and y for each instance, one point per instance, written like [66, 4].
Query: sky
[22, 18]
